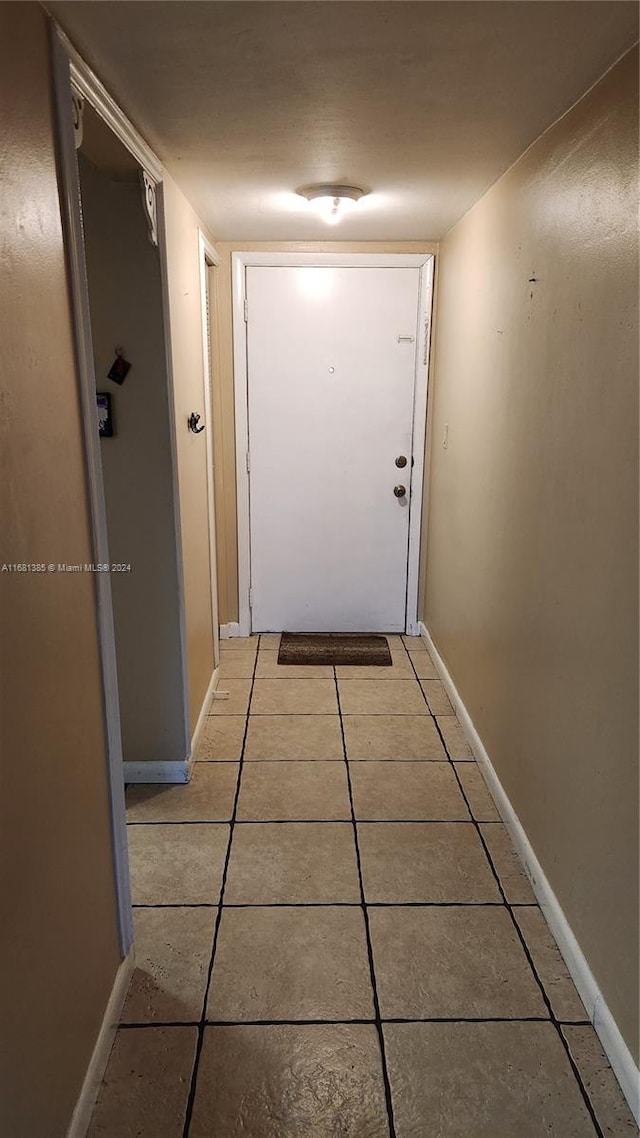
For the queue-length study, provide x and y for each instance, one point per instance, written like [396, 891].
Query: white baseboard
[616, 1049]
[204, 712]
[179, 771]
[84, 1107]
[228, 630]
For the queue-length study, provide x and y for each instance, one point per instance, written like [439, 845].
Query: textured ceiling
[422, 102]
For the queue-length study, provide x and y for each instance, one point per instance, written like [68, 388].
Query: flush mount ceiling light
[331, 201]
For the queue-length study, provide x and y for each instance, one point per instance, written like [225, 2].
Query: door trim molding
[71, 74]
[419, 472]
[86, 83]
[173, 442]
[208, 257]
[74, 248]
[239, 264]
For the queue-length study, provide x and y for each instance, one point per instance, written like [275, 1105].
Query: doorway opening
[209, 260]
[112, 197]
[136, 449]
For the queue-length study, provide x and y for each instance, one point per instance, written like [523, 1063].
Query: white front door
[331, 367]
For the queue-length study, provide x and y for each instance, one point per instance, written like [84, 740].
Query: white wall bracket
[77, 106]
[149, 205]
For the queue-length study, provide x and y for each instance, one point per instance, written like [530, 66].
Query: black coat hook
[192, 423]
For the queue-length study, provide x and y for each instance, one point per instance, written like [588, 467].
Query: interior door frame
[72, 76]
[209, 258]
[240, 262]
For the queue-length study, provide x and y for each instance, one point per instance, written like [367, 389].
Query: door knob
[401, 461]
[400, 491]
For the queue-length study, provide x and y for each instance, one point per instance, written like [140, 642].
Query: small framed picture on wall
[105, 416]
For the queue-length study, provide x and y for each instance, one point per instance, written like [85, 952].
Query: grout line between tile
[271, 761]
[406, 762]
[329, 905]
[376, 1002]
[202, 1023]
[519, 934]
[335, 1022]
[323, 714]
[308, 822]
[386, 1019]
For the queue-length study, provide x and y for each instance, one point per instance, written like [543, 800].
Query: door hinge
[250, 598]
[248, 462]
[246, 310]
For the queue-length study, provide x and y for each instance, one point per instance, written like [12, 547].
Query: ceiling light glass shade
[332, 201]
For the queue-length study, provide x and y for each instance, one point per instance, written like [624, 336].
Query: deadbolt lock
[400, 491]
[401, 461]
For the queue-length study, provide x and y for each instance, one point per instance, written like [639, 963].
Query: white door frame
[209, 258]
[72, 77]
[239, 264]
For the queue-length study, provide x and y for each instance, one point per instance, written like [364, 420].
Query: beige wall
[185, 317]
[125, 295]
[532, 575]
[223, 393]
[59, 941]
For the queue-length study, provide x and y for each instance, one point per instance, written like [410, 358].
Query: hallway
[334, 935]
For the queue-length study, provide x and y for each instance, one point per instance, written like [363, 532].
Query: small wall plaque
[105, 418]
[119, 367]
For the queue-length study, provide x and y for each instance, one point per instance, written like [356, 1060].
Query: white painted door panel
[330, 402]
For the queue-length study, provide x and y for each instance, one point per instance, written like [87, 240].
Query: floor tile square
[293, 737]
[381, 697]
[507, 864]
[412, 790]
[392, 737]
[414, 643]
[239, 644]
[207, 798]
[436, 697]
[146, 1084]
[395, 640]
[221, 738]
[177, 865]
[406, 862]
[551, 968]
[173, 950]
[454, 738]
[270, 641]
[269, 668]
[453, 962]
[292, 863]
[606, 1098]
[294, 791]
[483, 1080]
[236, 665]
[480, 801]
[400, 669]
[424, 666]
[294, 697]
[298, 963]
[290, 1081]
[236, 702]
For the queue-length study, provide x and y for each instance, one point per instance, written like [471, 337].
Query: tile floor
[334, 937]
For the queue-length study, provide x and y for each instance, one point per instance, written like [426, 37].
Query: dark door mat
[334, 648]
